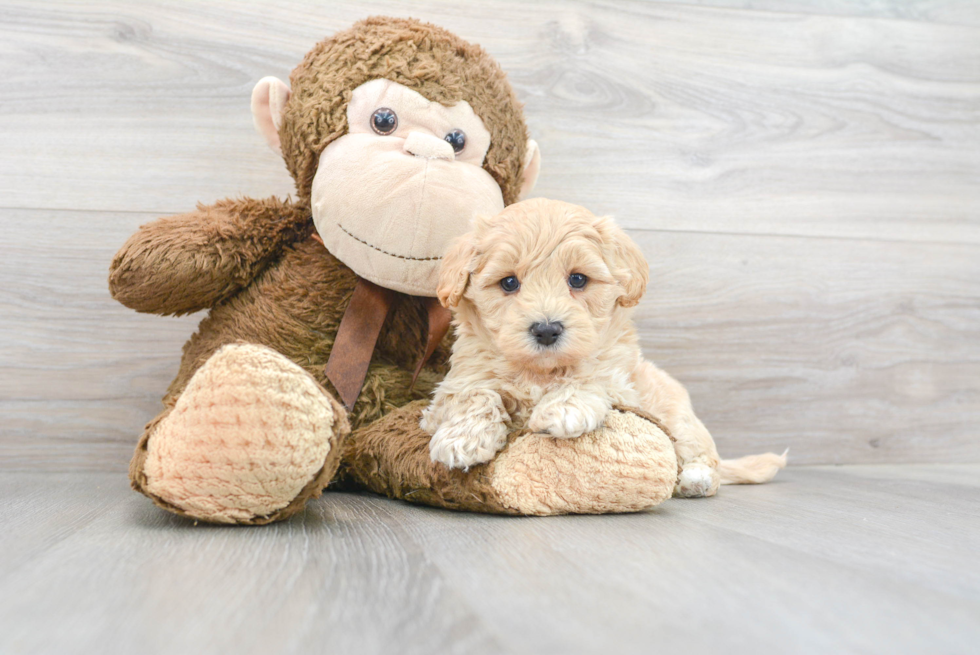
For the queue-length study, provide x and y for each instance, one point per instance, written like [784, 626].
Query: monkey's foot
[250, 440]
[628, 465]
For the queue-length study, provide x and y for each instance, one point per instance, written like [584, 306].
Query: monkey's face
[406, 179]
[398, 132]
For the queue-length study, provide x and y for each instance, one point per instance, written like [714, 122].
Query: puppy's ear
[626, 261]
[483, 223]
[455, 272]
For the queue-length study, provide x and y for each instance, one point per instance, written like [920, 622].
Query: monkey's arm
[185, 263]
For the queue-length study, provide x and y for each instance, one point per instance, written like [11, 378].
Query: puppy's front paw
[465, 444]
[566, 419]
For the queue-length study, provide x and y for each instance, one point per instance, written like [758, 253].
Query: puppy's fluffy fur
[503, 378]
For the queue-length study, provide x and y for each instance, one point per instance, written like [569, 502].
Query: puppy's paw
[567, 419]
[697, 481]
[467, 443]
[429, 421]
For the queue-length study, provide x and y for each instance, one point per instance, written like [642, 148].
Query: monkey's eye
[457, 139]
[510, 284]
[577, 281]
[384, 121]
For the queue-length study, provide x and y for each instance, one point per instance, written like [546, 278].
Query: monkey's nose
[427, 146]
[547, 333]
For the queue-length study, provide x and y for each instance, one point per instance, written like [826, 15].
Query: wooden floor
[854, 559]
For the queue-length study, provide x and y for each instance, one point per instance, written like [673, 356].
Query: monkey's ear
[454, 275]
[532, 166]
[268, 102]
[624, 257]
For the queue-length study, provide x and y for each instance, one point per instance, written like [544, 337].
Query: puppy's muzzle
[546, 333]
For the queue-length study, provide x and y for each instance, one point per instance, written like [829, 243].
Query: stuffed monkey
[323, 339]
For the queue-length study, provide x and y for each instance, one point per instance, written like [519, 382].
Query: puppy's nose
[547, 333]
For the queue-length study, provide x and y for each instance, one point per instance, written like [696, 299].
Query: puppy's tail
[752, 469]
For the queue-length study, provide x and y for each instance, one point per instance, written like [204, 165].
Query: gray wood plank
[675, 116]
[957, 12]
[913, 524]
[844, 559]
[847, 350]
[843, 350]
[79, 374]
[138, 579]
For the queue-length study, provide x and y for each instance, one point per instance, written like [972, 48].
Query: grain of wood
[137, 580]
[801, 175]
[686, 118]
[842, 559]
[842, 350]
[956, 12]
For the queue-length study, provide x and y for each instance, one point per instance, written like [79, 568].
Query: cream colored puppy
[542, 296]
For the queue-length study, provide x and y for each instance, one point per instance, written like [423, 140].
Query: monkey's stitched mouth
[385, 252]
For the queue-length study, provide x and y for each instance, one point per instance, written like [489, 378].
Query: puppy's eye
[384, 121]
[577, 281]
[510, 284]
[457, 139]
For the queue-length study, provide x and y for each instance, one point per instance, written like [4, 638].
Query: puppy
[542, 296]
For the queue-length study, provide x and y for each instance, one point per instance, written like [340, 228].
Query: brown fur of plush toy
[430, 60]
[272, 287]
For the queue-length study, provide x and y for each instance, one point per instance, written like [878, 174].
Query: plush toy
[323, 340]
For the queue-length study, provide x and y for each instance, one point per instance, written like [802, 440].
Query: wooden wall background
[804, 176]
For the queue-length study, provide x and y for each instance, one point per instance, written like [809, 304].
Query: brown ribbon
[358, 334]
[439, 319]
[350, 356]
